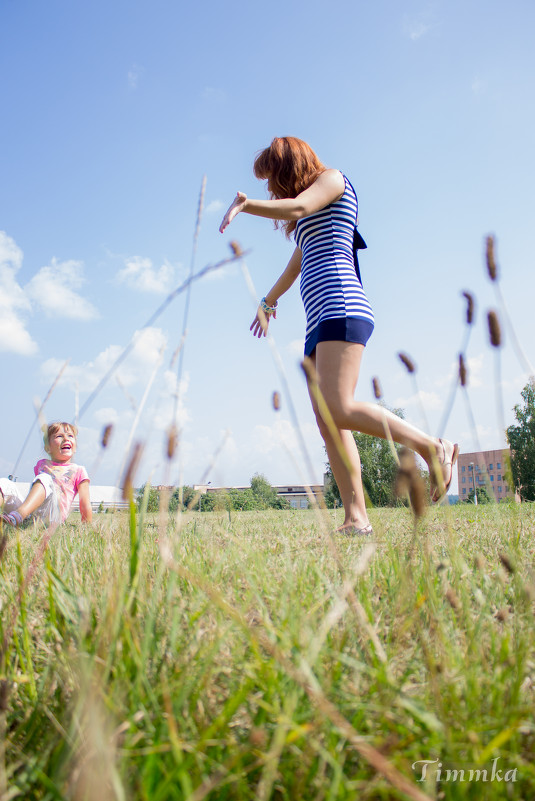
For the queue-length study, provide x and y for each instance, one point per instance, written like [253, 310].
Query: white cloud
[213, 95]
[419, 26]
[214, 206]
[134, 74]
[296, 348]
[106, 415]
[282, 440]
[139, 274]
[417, 29]
[136, 368]
[54, 287]
[429, 400]
[14, 337]
[474, 365]
[477, 85]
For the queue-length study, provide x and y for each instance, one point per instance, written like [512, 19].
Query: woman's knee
[323, 427]
[340, 411]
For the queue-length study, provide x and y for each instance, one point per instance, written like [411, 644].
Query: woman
[319, 206]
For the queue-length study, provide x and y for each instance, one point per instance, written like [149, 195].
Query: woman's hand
[235, 207]
[260, 324]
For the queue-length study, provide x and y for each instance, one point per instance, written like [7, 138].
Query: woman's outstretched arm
[327, 188]
[259, 326]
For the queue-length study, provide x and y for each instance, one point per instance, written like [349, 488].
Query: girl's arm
[85, 502]
[328, 187]
[260, 323]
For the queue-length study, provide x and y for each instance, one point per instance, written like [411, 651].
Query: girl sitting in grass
[57, 483]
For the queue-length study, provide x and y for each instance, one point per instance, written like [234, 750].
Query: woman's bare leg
[349, 482]
[337, 367]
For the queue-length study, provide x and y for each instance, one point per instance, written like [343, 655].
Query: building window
[293, 503]
[492, 478]
[304, 503]
[499, 478]
[500, 488]
[498, 466]
[464, 490]
[470, 467]
[490, 467]
[464, 480]
[462, 469]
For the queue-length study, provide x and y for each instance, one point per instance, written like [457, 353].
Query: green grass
[231, 659]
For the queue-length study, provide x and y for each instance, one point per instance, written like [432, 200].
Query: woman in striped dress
[319, 206]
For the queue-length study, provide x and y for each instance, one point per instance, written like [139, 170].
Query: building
[485, 469]
[295, 494]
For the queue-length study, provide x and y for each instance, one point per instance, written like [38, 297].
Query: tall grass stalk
[223, 662]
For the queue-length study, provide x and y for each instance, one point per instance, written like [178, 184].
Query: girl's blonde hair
[53, 428]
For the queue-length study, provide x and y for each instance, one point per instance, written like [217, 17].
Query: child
[56, 484]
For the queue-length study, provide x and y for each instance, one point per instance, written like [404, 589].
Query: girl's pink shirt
[66, 477]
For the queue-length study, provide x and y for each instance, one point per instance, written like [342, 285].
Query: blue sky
[112, 114]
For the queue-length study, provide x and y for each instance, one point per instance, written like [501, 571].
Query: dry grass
[224, 659]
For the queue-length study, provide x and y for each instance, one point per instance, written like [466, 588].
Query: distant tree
[244, 500]
[521, 439]
[482, 496]
[379, 468]
[153, 498]
[184, 495]
[267, 497]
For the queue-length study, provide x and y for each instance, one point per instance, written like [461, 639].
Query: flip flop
[351, 531]
[436, 494]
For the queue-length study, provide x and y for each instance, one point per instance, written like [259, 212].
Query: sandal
[351, 531]
[438, 493]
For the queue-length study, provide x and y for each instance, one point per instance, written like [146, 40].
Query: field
[259, 656]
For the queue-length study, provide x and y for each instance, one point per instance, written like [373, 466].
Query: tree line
[379, 468]
[260, 495]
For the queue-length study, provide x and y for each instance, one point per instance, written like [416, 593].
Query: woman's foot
[446, 455]
[352, 530]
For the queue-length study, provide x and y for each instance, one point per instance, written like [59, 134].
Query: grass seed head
[408, 362]
[462, 370]
[452, 599]
[128, 483]
[4, 694]
[276, 400]
[491, 261]
[236, 248]
[470, 305]
[172, 441]
[3, 545]
[377, 388]
[258, 737]
[106, 435]
[409, 481]
[494, 329]
[479, 561]
[506, 562]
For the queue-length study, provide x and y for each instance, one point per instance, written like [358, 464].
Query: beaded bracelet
[268, 309]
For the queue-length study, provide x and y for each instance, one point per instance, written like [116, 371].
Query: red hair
[290, 166]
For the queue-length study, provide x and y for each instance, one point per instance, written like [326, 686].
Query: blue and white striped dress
[335, 304]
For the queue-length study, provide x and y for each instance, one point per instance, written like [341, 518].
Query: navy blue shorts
[340, 329]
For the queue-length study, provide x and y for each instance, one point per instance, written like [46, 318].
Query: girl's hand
[235, 207]
[260, 324]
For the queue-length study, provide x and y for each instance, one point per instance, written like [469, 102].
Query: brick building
[484, 469]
